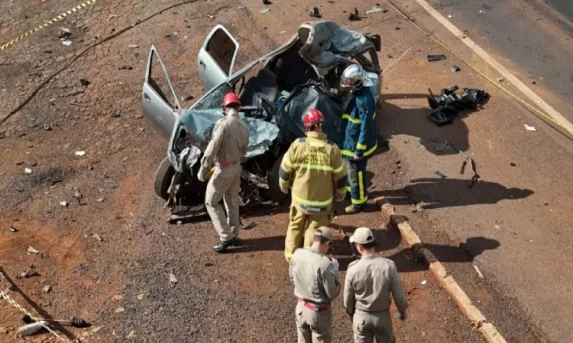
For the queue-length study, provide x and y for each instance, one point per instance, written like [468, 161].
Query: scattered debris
[267, 2]
[117, 297]
[96, 236]
[533, 82]
[452, 100]
[423, 282]
[131, 334]
[140, 296]
[126, 68]
[32, 250]
[475, 178]
[64, 33]
[440, 174]
[500, 79]
[13, 229]
[47, 289]
[76, 104]
[314, 12]
[172, 280]
[115, 115]
[463, 168]
[249, 226]
[374, 9]
[209, 264]
[80, 153]
[44, 255]
[354, 16]
[450, 16]
[85, 82]
[30, 329]
[27, 171]
[480, 275]
[133, 46]
[119, 310]
[454, 68]
[33, 163]
[529, 128]
[417, 207]
[77, 194]
[64, 203]
[496, 226]
[264, 10]
[100, 199]
[66, 42]
[434, 58]
[397, 315]
[111, 16]
[47, 128]
[512, 164]
[28, 273]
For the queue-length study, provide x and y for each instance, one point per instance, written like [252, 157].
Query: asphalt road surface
[533, 38]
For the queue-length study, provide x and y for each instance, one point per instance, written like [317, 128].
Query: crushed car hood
[201, 124]
[329, 43]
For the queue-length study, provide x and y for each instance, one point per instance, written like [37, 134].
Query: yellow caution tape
[46, 24]
[540, 114]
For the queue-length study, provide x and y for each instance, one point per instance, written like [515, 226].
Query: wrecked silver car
[275, 91]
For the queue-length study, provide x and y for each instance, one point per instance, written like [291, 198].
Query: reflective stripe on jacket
[313, 168]
[358, 134]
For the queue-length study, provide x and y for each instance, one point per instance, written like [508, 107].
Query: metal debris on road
[314, 12]
[30, 329]
[133, 46]
[374, 9]
[454, 68]
[100, 199]
[172, 280]
[354, 16]
[529, 128]
[66, 42]
[27, 171]
[475, 178]
[423, 282]
[480, 275]
[64, 33]
[47, 289]
[31, 250]
[440, 174]
[80, 153]
[264, 10]
[119, 310]
[434, 58]
[96, 236]
[64, 203]
[13, 229]
[28, 273]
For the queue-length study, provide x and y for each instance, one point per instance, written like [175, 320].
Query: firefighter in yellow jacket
[314, 170]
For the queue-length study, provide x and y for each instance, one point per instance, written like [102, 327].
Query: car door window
[216, 57]
[159, 81]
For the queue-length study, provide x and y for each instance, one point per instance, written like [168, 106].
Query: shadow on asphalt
[405, 259]
[436, 193]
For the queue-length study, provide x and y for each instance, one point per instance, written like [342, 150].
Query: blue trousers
[356, 181]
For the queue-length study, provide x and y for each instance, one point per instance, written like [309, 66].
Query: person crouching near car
[315, 280]
[314, 170]
[228, 145]
[358, 136]
[367, 287]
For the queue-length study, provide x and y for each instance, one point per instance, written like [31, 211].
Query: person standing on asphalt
[369, 282]
[313, 168]
[315, 279]
[358, 136]
[228, 145]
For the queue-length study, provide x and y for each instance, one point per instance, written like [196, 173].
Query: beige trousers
[312, 326]
[224, 185]
[370, 325]
[301, 228]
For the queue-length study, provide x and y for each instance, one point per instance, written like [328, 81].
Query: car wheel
[163, 178]
[274, 193]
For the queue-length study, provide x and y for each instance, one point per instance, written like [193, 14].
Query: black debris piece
[85, 82]
[512, 164]
[126, 68]
[434, 58]
[463, 169]
[315, 13]
[452, 100]
[266, 2]
[13, 229]
[354, 16]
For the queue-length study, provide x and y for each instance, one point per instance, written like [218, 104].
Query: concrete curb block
[446, 281]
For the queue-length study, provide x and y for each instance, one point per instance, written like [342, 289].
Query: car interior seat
[264, 85]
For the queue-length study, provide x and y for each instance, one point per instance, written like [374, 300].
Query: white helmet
[352, 77]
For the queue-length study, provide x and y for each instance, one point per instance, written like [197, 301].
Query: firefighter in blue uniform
[359, 138]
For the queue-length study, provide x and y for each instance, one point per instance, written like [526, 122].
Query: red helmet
[231, 99]
[312, 117]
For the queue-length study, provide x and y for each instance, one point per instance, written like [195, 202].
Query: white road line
[497, 66]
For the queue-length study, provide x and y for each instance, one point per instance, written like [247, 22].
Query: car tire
[274, 193]
[163, 178]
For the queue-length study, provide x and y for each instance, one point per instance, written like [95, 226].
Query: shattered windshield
[213, 99]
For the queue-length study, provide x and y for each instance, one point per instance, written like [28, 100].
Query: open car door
[160, 103]
[217, 57]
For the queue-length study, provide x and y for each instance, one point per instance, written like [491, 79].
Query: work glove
[284, 190]
[335, 264]
[340, 198]
[201, 174]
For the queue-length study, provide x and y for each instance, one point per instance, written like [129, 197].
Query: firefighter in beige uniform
[369, 282]
[315, 279]
[314, 170]
[228, 145]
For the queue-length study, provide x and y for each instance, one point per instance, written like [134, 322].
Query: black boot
[223, 245]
